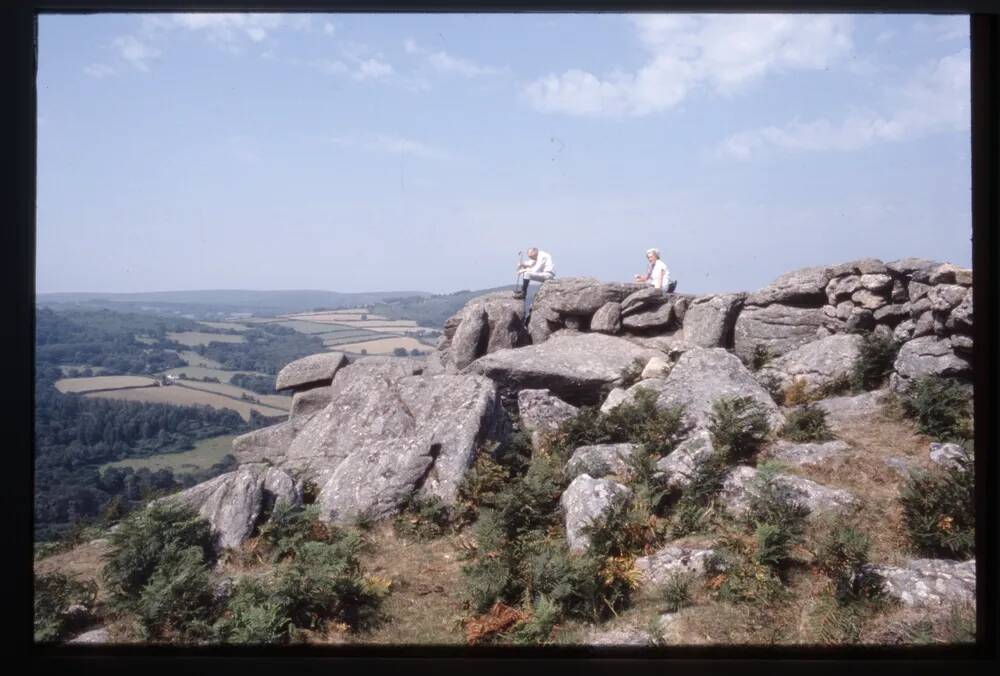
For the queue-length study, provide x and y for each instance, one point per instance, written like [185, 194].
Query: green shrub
[939, 510]
[777, 515]
[761, 355]
[940, 406]
[647, 483]
[288, 528]
[843, 554]
[738, 426]
[253, 615]
[691, 510]
[537, 630]
[772, 384]
[423, 519]
[675, 592]
[157, 570]
[568, 581]
[632, 373]
[638, 422]
[62, 605]
[623, 530]
[737, 578]
[490, 577]
[806, 423]
[839, 385]
[874, 363]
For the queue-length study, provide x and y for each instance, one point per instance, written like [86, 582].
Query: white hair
[655, 252]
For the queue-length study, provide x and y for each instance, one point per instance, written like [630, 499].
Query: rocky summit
[372, 435]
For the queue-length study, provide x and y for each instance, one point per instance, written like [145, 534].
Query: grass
[206, 453]
[193, 338]
[381, 345]
[81, 385]
[277, 401]
[185, 396]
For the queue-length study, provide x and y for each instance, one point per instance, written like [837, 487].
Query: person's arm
[661, 282]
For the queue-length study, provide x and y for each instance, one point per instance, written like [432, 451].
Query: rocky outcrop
[672, 560]
[234, 502]
[711, 320]
[309, 402]
[779, 328]
[738, 490]
[700, 377]
[486, 324]
[574, 297]
[584, 502]
[94, 636]
[817, 364]
[309, 372]
[600, 460]
[799, 287]
[542, 412]
[791, 453]
[576, 367]
[607, 319]
[928, 355]
[848, 409]
[929, 582]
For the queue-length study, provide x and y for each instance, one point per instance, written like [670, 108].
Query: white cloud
[951, 27]
[936, 98]
[724, 53]
[329, 28]
[389, 144]
[136, 52]
[372, 69]
[99, 70]
[231, 32]
[446, 63]
[885, 36]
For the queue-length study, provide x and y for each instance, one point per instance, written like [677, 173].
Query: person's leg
[520, 285]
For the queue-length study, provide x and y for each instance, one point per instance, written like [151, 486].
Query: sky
[422, 152]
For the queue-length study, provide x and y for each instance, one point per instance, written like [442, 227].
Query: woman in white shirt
[657, 274]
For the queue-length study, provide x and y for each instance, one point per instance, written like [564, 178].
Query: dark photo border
[18, 42]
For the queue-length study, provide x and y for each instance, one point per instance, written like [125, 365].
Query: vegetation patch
[62, 605]
[939, 510]
[806, 423]
[876, 356]
[738, 426]
[940, 406]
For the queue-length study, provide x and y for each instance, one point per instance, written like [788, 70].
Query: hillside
[788, 466]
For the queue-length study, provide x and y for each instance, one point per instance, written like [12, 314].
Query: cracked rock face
[805, 286]
[818, 363]
[930, 582]
[928, 355]
[485, 324]
[600, 460]
[542, 412]
[584, 502]
[701, 376]
[780, 328]
[672, 560]
[709, 321]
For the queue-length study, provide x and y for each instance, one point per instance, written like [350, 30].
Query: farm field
[206, 453]
[192, 338]
[195, 359]
[79, 385]
[146, 340]
[315, 328]
[382, 345]
[275, 400]
[198, 372]
[185, 396]
[66, 368]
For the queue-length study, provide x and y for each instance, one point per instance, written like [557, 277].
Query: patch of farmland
[146, 340]
[233, 326]
[194, 359]
[78, 385]
[199, 372]
[313, 327]
[66, 368]
[383, 345]
[205, 453]
[342, 338]
[186, 396]
[335, 317]
[192, 338]
[275, 400]
[381, 324]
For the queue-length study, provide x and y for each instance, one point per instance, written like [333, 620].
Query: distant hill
[430, 311]
[205, 304]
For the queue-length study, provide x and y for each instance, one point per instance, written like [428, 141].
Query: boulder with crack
[542, 412]
[711, 320]
[485, 324]
[929, 582]
[700, 377]
[818, 363]
[779, 328]
[576, 367]
[927, 355]
[577, 297]
[804, 287]
[585, 502]
[234, 502]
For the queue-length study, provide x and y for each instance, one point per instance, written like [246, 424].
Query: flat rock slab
[779, 328]
[816, 363]
[930, 582]
[807, 454]
[600, 460]
[541, 412]
[807, 285]
[313, 371]
[584, 502]
[233, 502]
[737, 491]
[672, 560]
[845, 410]
[576, 367]
[700, 377]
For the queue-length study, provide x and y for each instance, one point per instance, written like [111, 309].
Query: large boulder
[928, 355]
[585, 502]
[234, 502]
[607, 319]
[657, 317]
[313, 371]
[913, 267]
[672, 560]
[961, 317]
[700, 377]
[929, 582]
[849, 409]
[799, 287]
[738, 490]
[576, 367]
[542, 412]
[578, 297]
[600, 460]
[485, 324]
[779, 328]
[818, 363]
[645, 298]
[680, 465]
[710, 320]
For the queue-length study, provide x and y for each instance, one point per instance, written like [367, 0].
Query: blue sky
[421, 152]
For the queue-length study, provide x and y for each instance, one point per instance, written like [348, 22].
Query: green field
[195, 359]
[192, 338]
[96, 370]
[206, 453]
[78, 385]
[275, 400]
[232, 326]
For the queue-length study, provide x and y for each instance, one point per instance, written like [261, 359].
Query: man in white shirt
[539, 268]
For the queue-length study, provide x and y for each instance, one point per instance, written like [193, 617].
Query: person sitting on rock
[657, 275]
[538, 268]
